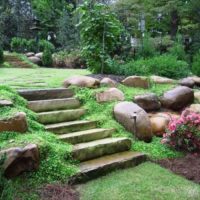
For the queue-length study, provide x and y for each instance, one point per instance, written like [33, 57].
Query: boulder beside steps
[95, 148]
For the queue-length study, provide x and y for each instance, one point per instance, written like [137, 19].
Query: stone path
[95, 148]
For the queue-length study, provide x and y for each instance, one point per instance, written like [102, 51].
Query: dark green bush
[44, 44]
[1, 55]
[19, 45]
[196, 64]
[164, 65]
[47, 59]
[178, 50]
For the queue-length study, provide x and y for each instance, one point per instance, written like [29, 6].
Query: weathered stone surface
[162, 80]
[30, 54]
[112, 94]
[136, 81]
[159, 123]
[177, 98]
[188, 82]
[197, 96]
[5, 103]
[148, 102]
[19, 160]
[39, 55]
[82, 81]
[17, 123]
[123, 112]
[195, 108]
[196, 79]
[108, 82]
[35, 60]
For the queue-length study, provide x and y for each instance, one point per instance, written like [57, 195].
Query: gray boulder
[148, 102]
[35, 60]
[177, 98]
[4, 102]
[188, 82]
[124, 112]
[136, 81]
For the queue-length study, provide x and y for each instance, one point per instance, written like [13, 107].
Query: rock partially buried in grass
[5, 103]
[123, 113]
[112, 94]
[136, 81]
[177, 98]
[195, 108]
[82, 81]
[35, 60]
[30, 54]
[162, 80]
[17, 123]
[196, 79]
[148, 102]
[107, 82]
[18, 160]
[188, 82]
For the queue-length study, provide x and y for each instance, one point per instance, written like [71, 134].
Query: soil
[58, 192]
[113, 77]
[188, 166]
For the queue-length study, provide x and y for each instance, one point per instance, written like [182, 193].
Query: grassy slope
[56, 163]
[145, 182]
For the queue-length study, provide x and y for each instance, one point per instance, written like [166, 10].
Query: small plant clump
[184, 133]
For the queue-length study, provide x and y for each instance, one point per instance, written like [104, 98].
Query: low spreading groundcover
[55, 161]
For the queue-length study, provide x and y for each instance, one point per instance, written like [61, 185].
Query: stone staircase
[95, 148]
[15, 61]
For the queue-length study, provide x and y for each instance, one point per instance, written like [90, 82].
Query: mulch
[113, 77]
[58, 192]
[188, 166]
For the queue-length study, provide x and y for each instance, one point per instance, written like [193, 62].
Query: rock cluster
[35, 58]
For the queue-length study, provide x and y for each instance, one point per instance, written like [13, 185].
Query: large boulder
[125, 112]
[4, 102]
[188, 82]
[148, 102]
[17, 123]
[19, 160]
[197, 96]
[39, 55]
[177, 98]
[35, 60]
[108, 82]
[112, 94]
[159, 123]
[162, 80]
[136, 81]
[82, 81]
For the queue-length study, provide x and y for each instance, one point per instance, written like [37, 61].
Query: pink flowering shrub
[184, 133]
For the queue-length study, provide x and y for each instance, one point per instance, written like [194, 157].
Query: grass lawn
[37, 78]
[144, 182]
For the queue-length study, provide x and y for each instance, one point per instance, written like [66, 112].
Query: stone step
[98, 148]
[45, 94]
[53, 104]
[97, 167]
[68, 127]
[87, 135]
[60, 116]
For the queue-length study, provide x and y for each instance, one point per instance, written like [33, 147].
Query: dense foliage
[1, 54]
[196, 64]
[47, 59]
[184, 133]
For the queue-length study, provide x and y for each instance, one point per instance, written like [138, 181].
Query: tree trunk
[175, 21]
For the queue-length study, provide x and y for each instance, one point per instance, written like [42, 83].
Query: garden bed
[188, 166]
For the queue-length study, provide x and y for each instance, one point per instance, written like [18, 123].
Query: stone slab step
[98, 148]
[44, 94]
[53, 104]
[68, 127]
[87, 135]
[98, 167]
[60, 116]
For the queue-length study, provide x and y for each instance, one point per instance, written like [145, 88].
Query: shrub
[164, 65]
[19, 45]
[44, 44]
[178, 50]
[1, 55]
[47, 59]
[196, 64]
[184, 133]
